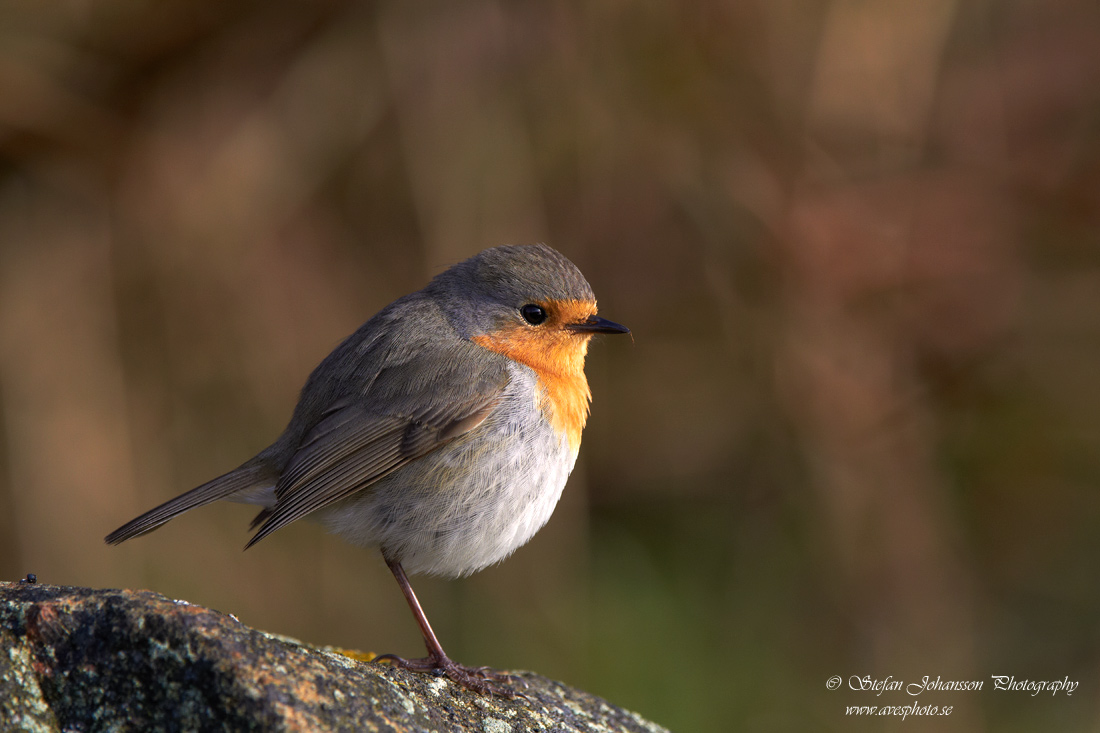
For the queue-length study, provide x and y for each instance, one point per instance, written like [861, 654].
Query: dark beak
[595, 324]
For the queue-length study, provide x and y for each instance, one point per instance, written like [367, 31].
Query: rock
[79, 659]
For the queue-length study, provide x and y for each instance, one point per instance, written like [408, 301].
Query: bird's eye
[533, 314]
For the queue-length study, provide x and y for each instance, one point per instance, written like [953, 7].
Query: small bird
[441, 432]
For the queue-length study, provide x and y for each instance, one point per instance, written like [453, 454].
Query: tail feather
[260, 518]
[224, 487]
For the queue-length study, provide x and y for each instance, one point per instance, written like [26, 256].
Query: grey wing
[364, 437]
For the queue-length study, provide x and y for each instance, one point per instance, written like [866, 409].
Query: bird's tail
[246, 483]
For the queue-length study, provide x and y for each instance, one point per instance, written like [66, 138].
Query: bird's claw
[484, 680]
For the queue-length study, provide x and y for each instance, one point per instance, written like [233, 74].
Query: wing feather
[363, 438]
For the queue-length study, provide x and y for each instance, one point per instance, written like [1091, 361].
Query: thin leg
[435, 649]
[480, 679]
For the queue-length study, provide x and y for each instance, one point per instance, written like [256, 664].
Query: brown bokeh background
[856, 432]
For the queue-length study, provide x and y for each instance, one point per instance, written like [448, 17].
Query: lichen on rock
[79, 659]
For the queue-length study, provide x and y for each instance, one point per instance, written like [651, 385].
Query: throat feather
[558, 362]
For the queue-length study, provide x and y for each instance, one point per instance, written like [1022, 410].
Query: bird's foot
[484, 680]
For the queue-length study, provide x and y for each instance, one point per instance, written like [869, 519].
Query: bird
[441, 432]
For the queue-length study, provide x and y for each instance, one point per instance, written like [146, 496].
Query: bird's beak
[595, 324]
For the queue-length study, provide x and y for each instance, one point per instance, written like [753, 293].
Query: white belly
[471, 503]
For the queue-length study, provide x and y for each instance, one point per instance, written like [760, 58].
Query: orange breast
[556, 355]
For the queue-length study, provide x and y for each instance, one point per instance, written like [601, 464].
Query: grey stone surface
[78, 659]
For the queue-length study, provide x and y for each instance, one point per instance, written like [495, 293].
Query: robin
[441, 432]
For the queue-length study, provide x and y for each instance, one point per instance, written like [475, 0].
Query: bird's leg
[479, 679]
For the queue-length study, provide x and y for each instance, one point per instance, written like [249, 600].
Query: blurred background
[856, 432]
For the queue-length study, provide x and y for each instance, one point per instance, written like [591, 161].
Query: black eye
[533, 314]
